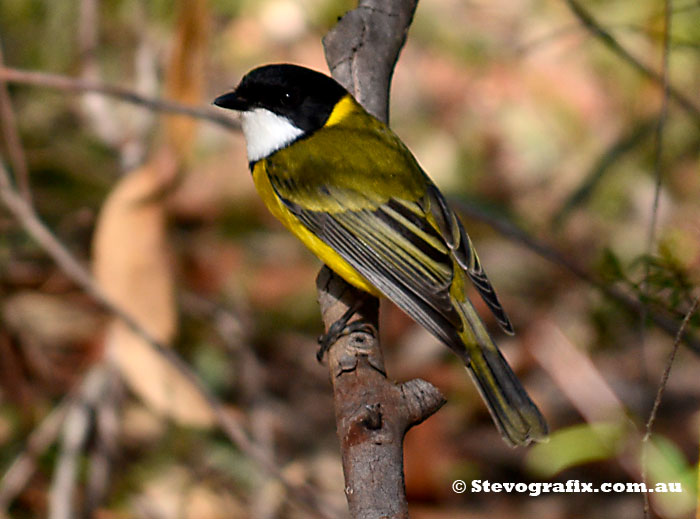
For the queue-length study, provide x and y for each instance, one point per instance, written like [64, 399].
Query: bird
[351, 191]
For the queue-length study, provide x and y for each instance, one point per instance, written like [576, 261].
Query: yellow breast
[325, 253]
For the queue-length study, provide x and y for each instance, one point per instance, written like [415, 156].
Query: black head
[304, 96]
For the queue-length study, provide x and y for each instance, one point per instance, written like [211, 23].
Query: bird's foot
[340, 328]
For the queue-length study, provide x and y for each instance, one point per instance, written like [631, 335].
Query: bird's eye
[289, 99]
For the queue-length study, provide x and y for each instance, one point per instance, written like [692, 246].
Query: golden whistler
[344, 184]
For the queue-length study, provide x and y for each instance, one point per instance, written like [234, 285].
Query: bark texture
[372, 412]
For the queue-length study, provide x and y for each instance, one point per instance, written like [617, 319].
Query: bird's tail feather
[517, 417]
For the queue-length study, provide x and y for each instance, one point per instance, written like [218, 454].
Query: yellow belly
[325, 253]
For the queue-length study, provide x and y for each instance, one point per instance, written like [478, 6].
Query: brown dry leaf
[131, 253]
[131, 263]
[162, 388]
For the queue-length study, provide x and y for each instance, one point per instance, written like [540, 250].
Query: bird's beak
[232, 101]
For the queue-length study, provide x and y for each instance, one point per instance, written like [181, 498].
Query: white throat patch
[266, 132]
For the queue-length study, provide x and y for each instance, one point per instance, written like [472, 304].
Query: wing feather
[465, 254]
[390, 260]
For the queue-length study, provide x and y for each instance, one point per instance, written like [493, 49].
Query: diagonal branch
[590, 23]
[546, 251]
[25, 215]
[667, 371]
[67, 84]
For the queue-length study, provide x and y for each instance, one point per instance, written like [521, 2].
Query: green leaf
[665, 463]
[575, 446]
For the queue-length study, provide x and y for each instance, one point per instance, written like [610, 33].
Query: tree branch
[362, 49]
[372, 413]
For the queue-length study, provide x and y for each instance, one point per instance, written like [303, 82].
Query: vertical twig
[105, 445]
[659, 132]
[651, 241]
[372, 413]
[95, 108]
[658, 180]
[76, 429]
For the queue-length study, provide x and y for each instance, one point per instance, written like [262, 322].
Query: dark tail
[517, 417]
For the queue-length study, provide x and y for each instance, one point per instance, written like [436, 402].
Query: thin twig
[609, 41]
[659, 395]
[590, 394]
[106, 438]
[667, 371]
[58, 82]
[12, 138]
[659, 134]
[96, 109]
[658, 176]
[533, 45]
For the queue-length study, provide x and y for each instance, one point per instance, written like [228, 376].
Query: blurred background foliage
[520, 115]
